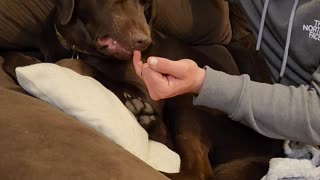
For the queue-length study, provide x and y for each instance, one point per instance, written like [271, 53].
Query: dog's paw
[143, 110]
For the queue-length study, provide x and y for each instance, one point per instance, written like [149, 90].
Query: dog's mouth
[123, 50]
[115, 48]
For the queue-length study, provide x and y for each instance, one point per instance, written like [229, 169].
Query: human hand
[165, 78]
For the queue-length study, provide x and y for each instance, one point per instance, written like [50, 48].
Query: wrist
[199, 80]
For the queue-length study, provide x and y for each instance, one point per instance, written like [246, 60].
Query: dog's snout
[141, 41]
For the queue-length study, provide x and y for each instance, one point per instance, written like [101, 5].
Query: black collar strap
[64, 43]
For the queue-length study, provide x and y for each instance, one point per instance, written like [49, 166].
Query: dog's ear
[64, 11]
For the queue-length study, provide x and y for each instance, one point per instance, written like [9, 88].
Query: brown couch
[38, 141]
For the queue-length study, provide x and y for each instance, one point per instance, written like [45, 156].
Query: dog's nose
[141, 41]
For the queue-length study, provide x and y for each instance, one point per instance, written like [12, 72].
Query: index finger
[137, 62]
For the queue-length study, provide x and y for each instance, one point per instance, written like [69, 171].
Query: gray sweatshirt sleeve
[276, 111]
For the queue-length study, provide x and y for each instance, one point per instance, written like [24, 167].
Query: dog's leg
[195, 163]
[190, 139]
[16, 59]
[242, 169]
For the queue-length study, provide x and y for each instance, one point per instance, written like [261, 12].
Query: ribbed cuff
[220, 91]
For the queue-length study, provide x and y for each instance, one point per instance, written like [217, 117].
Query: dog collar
[64, 43]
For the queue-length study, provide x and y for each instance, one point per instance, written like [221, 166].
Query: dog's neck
[71, 47]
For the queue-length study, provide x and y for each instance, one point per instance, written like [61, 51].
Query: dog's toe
[143, 110]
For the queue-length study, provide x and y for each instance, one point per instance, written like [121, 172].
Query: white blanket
[302, 163]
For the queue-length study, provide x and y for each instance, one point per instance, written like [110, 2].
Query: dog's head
[110, 27]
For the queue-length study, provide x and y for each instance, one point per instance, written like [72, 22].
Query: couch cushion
[39, 141]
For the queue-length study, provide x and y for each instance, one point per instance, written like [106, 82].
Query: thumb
[167, 66]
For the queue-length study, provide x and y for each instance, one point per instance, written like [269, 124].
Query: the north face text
[314, 30]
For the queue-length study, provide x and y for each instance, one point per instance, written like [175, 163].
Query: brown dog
[210, 145]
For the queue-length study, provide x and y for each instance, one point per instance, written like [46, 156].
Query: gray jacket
[288, 31]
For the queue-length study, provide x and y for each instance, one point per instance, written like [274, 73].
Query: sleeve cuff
[221, 91]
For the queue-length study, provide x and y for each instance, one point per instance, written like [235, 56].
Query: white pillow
[91, 103]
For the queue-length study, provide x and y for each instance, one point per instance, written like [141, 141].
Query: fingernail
[153, 61]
